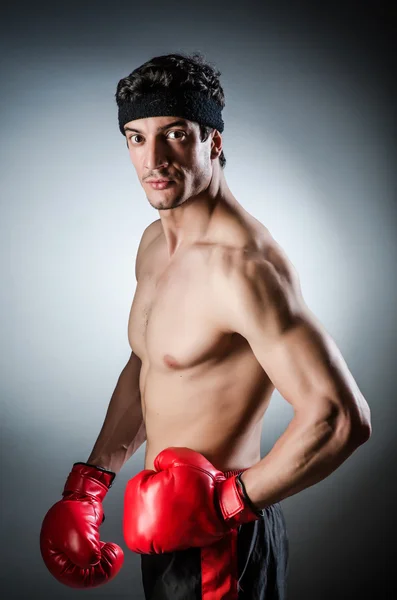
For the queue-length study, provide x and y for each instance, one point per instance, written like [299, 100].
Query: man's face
[171, 148]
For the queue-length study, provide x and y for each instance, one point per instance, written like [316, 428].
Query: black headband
[191, 105]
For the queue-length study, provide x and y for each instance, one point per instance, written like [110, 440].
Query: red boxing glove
[185, 502]
[69, 538]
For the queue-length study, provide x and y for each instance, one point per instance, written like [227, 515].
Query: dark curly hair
[179, 71]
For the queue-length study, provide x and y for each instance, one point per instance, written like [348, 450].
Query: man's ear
[216, 144]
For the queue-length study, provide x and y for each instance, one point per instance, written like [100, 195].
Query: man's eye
[178, 132]
[132, 138]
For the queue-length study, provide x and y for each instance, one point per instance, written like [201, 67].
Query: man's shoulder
[260, 281]
[150, 233]
[258, 256]
[256, 276]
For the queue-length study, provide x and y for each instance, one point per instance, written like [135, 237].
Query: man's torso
[201, 387]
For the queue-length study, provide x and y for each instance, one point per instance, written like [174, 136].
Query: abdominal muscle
[217, 411]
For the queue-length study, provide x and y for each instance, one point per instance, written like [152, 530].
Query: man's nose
[156, 155]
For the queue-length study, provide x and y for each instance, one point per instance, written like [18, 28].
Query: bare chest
[171, 322]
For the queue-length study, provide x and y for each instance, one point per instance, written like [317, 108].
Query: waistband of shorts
[233, 472]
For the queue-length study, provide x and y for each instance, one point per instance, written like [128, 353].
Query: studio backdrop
[309, 142]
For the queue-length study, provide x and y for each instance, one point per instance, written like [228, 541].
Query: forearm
[123, 430]
[308, 451]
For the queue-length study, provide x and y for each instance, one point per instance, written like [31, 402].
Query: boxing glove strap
[88, 480]
[233, 504]
[107, 480]
[257, 511]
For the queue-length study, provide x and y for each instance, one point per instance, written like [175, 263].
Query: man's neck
[190, 222]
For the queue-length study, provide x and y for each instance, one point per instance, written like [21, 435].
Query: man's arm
[262, 301]
[123, 430]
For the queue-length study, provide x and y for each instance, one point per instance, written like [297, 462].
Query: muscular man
[218, 322]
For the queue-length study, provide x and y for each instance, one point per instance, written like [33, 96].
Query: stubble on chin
[165, 206]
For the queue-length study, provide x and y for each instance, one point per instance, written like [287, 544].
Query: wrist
[247, 500]
[100, 473]
[235, 506]
[88, 480]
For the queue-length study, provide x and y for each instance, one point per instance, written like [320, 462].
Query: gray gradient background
[309, 140]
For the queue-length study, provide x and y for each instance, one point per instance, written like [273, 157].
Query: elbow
[349, 425]
[361, 422]
[357, 427]
[359, 434]
[364, 431]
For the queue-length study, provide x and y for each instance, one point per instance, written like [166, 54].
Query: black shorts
[251, 563]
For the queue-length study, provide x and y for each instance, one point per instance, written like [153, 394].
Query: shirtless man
[217, 323]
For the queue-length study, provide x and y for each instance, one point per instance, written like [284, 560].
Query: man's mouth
[160, 184]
